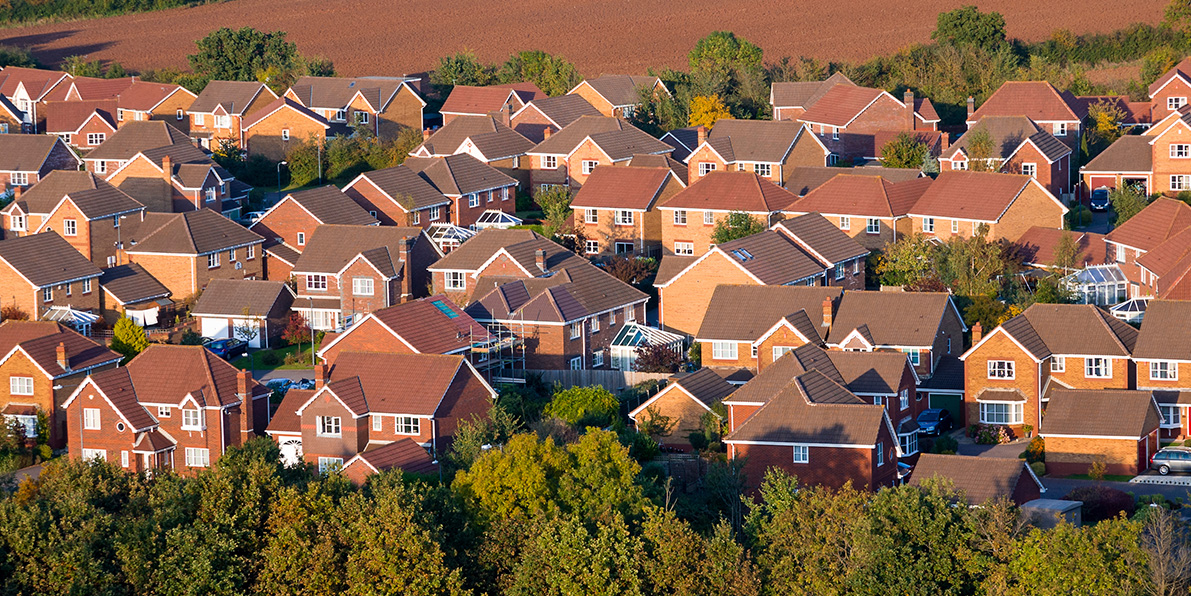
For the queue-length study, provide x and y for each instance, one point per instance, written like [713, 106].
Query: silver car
[1171, 459]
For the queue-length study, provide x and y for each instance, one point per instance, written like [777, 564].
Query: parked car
[252, 217]
[935, 421]
[227, 348]
[1099, 200]
[1171, 459]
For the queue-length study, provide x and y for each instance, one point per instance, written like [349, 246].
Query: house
[497, 101]
[768, 148]
[618, 208]
[346, 272]
[485, 138]
[804, 179]
[871, 209]
[660, 161]
[293, 219]
[1011, 373]
[1037, 247]
[789, 100]
[90, 220]
[689, 218]
[12, 120]
[982, 480]
[1059, 113]
[130, 139]
[405, 455]
[568, 157]
[367, 400]
[777, 320]
[550, 113]
[130, 291]
[26, 159]
[806, 250]
[83, 125]
[617, 95]
[29, 210]
[961, 203]
[492, 252]
[185, 251]
[42, 271]
[44, 362]
[278, 127]
[432, 325]
[847, 117]
[386, 105]
[218, 113]
[172, 407]
[472, 186]
[26, 88]
[1118, 428]
[797, 416]
[925, 326]
[1156, 229]
[1153, 162]
[399, 196]
[143, 100]
[88, 89]
[1163, 359]
[178, 178]
[1019, 146]
[686, 400]
[255, 311]
[1170, 91]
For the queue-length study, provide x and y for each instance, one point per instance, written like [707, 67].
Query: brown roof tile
[329, 205]
[46, 259]
[233, 96]
[37, 81]
[1163, 333]
[1100, 413]
[819, 237]
[398, 383]
[809, 408]
[90, 88]
[405, 187]
[167, 374]
[476, 101]
[893, 318]
[475, 252]
[118, 386]
[704, 385]
[1181, 70]
[143, 96]
[131, 284]
[564, 109]
[978, 196]
[804, 94]
[1037, 100]
[614, 136]
[732, 191]
[870, 372]
[136, 137]
[433, 325]
[337, 92]
[403, 454]
[285, 419]
[621, 90]
[25, 153]
[1155, 224]
[981, 479]
[772, 257]
[69, 116]
[1037, 246]
[1045, 329]
[40, 340]
[459, 174]
[331, 247]
[281, 103]
[240, 297]
[726, 319]
[766, 141]
[1130, 153]
[654, 160]
[840, 104]
[191, 233]
[621, 188]
[45, 195]
[573, 290]
[486, 132]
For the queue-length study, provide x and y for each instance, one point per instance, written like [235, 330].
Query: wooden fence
[612, 380]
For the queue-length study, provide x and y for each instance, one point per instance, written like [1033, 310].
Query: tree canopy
[904, 151]
[554, 75]
[737, 225]
[967, 26]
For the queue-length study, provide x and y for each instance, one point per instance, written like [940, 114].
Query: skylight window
[446, 309]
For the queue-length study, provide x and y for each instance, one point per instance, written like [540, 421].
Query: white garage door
[215, 328]
[255, 342]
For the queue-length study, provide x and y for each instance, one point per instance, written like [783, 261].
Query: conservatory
[632, 336]
[1103, 285]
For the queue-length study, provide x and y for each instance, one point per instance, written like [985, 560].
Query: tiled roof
[191, 233]
[1163, 333]
[68, 116]
[407, 188]
[396, 383]
[1182, 70]
[804, 94]
[90, 88]
[1045, 329]
[683, 140]
[475, 252]
[981, 479]
[1157, 223]
[614, 136]
[808, 408]
[732, 191]
[572, 291]
[771, 257]
[565, 109]
[45, 195]
[37, 81]
[25, 153]
[103, 201]
[1037, 246]
[331, 247]
[493, 138]
[117, 385]
[278, 104]
[1170, 261]
[1130, 153]
[1007, 134]
[329, 205]
[870, 372]
[893, 318]
[233, 96]
[135, 137]
[167, 373]
[337, 92]
[621, 188]
[285, 419]
[671, 266]
[426, 325]
[459, 174]
[242, 297]
[621, 90]
[40, 340]
[476, 101]
[948, 376]
[704, 385]
[803, 179]
[1100, 413]
[840, 105]
[679, 169]
[144, 96]
[814, 233]
[1037, 100]
[862, 196]
[131, 284]
[404, 454]
[757, 140]
[725, 319]
[978, 196]
[46, 259]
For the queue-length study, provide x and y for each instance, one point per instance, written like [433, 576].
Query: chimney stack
[63, 361]
[405, 253]
[945, 140]
[167, 168]
[827, 313]
[539, 256]
[248, 428]
[977, 332]
[16, 193]
[701, 135]
[547, 132]
[320, 376]
[908, 99]
[242, 379]
[506, 112]
[425, 133]
[971, 106]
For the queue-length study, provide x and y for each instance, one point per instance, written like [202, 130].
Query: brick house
[218, 113]
[130, 139]
[487, 139]
[803, 179]
[871, 209]
[293, 219]
[130, 291]
[384, 104]
[1170, 91]
[172, 408]
[88, 89]
[90, 221]
[143, 100]
[1059, 113]
[1163, 360]
[1116, 427]
[185, 251]
[550, 113]
[777, 320]
[1149, 248]
[1154, 162]
[569, 156]
[768, 148]
[498, 101]
[471, 185]
[44, 362]
[405, 455]
[83, 125]
[1011, 373]
[432, 325]
[230, 307]
[178, 178]
[41, 271]
[12, 120]
[847, 118]
[689, 217]
[346, 272]
[1038, 246]
[959, 203]
[789, 100]
[492, 252]
[367, 400]
[399, 196]
[982, 480]
[26, 88]
[686, 399]
[1019, 146]
[798, 416]
[617, 95]
[806, 250]
[925, 326]
[26, 159]
[279, 126]
[29, 209]
[618, 208]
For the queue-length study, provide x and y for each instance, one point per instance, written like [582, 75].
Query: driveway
[1008, 450]
[1057, 488]
[1099, 223]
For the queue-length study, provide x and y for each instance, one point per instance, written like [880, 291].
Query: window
[591, 216]
[435, 213]
[928, 225]
[1174, 103]
[576, 330]
[549, 162]
[329, 426]
[163, 411]
[415, 217]
[706, 168]
[763, 169]
[680, 217]
[47, 294]
[1029, 169]
[408, 425]
[101, 167]
[778, 352]
[1058, 364]
[340, 115]
[179, 114]
[856, 267]
[1120, 253]
[231, 255]
[873, 226]
[597, 358]
[880, 454]
[835, 133]
[1001, 412]
[593, 247]
[20, 385]
[197, 457]
[959, 165]
[802, 454]
[577, 363]
[362, 286]
[473, 200]
[1180, 182]
[362, 117]
[285, 134]
[845, 222]
[1164, 371]
[455, 280]
[210, 194]
[904, 398]
[723, 350]
[595, 324]
[91, 418]
[708, 218]
[96, 138]
[192, 419]
[1171, 416]
[915, 356]
[611, 318]
[66, 287]
[909, 443]
[589, 166]
[955, 226]
[19, 178]
[624, 218]
[1097, 368]
[316, 282]
[124, 459]
[327, 465]
[378, 423]
[840, 270]
[1000, 369]
[1060, 129]
[120, 114]
[18, 223]
[93, 454]
[212, 260]
[1180, 151]
[250, 252]
[199, 119]
[223, 121]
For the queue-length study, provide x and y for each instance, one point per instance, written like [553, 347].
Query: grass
[1107, 477]
[244, 363]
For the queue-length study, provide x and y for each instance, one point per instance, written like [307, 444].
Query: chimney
[506, 112]
[63, 361]
[247, 427]
[908, 99]
[701, 135]
[16, 193]
[977, 332]
[539, 256]
[320, 376]
[827, 313]
[546, 133]
[971, 106]
[425, 133]
[242, 379]
[404, 252]
[167, 168]
[944, 140]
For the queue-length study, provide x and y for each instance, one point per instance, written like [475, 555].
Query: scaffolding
[500, 351]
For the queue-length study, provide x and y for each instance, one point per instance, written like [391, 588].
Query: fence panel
[612, 380]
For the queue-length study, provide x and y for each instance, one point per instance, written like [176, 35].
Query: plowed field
[402, 36]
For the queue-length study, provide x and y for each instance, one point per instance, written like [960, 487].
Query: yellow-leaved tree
[707, 110]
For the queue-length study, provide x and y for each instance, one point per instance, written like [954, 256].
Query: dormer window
[192, 419]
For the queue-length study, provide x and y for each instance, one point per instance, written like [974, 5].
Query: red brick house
[432, 325]
[1059, 113]
[26, 88]
[847, 118]
[143, 100]
[1163, 360]
[569, 156]
[550, 114]
[30, 210]
[1154, 162]
[26, 159]
[789, 100]
[90, 221]
[386, 105]
[778, 319]
[960, 203]
[12, 120]
[1170, 91]
[471, 185]
[238, 307]
[871, 209]
[487, 139]
[367, 400]
[488, 254]
[1118, 428]
[1019, 147]
[130, 139]
[130, 291]
[42, 271]
[617, 95]
[293, 219]
[399, 196]
[686, 399]
[925, 326]
[178, 178]
[689, 217]
[172, 407]
[618, 208]
[185, 251]
[44, 362]
[1157, 229]
[83, 125]
[279, 126]
[88, 89]
[218, 113]
[405, 455]
[981, 479]
[497, 101]
[768, 148]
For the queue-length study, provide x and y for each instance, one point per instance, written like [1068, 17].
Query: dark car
[935, 421]
[1099, 200]
[1171, 459]
[227, 348]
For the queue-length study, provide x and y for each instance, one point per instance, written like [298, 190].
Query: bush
[1102, 502]
[641, 446]
[1078, 217]
[270, 359]
[190, 337]
[1039, 468]
[583, 406]
[1036, 451]
[698, 440]
[13, 312]
[944, 445]
[989, 434]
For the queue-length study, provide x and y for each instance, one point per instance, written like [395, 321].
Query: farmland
[371, 37]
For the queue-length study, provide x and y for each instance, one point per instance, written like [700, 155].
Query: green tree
[972, 266]
[556, 210]
[904, 151]
[729, 66]
[1159, 60]
[1178, 16]
[566, 557]
[967, 26]
[240, 55]
[737, 225]
[980, 151]
[79, 66]
[908, 260]
[1066, 253]
[582, 406]
[462, 69]
[554, 75]
[659, 113]
[1097, 560]
[472, 435]
[17, 56]
[1126, 201]
[128, 338]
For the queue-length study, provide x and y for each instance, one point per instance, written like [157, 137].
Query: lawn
[244, 363]
[1107, 477]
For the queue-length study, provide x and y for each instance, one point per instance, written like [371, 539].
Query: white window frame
[224, 121]
[708, 218]
[19, 178]
[990, 412]
[92, 419]
[903, 397]
[1164, 370]
[763, 169]
[1180, 151]
[1180, 182]
[1097, 367]
[1121, 256]
[435, 213]
[592, 247]
[198, 457]
[1172, 415]
[591, 216]
[363, 286]
[723, 350]
[1060, 129]
[1174, 103]
[192, 419]
[454, 280]
[955, 226]
[680, 217]
[840, 271]
[1058, 364]
[407, 425]
[625, 217]
[124, 459]
[20, 385]
[909, 443]
[285, 134]
[594, 323]
[588, 166]
[329, 426]
[706, 167]
[928, 225]
[880, 454]
[777, 351]
[301, 238]
[329, 464]
[549, 162]
[95, 454]
[362, 117]
[101, 167]
[378, 423]
[473, 201]
[96, 138]
[577, 363]
[576, 330]
[845, 222]
[199, 119]
[316, 282]
[597, 358]
[1029, 169]
[873, 226]
[1005, 370]
[164, 412]
[47, 294]
[18, 223]
[914, 354]
[212, 260]
[801, 454]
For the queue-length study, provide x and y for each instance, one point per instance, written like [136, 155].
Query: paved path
[1010, 450]
[293, 374]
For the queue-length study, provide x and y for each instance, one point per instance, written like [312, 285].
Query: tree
[706, 111]
[655, 424]
[581, 406]
[556, 210]
[462, 69]
[968, 26]
[79, 66]
[13, 312]
[472, 435]
[1106, 117]
[1164, 541]
[16, 56]
[1178, 16]
[246, 328]
[240, 55]
[657, 358]
[659, 113]
[1159, 60]
[1066, 253]
[296, 329]
[737, 225]
[554, 75]
[128, 338]
[729, 66]
[566, 557]
[980, 151]
[908, 260]
[723, 52]
[972, 266]
[904, 151]
[631, 270]
[1126, 201]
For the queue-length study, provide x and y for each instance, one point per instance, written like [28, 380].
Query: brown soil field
[623, 36]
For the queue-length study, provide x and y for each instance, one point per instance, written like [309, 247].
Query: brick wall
[370, 336]
[607, 233]
[60, 158]
[284, 222]
[20, 365]
[1177, 87]
[1066, 456]
[885, 114]
[595, 99]
[1054, 176]
[360, 304]
[1163, 164]
[354, 432]
[586, 151]
[685, 300]
[266, 138]
[1028, 378]
[405, 111]
[685, 411]
[91, 126]
[532, 125]
[1033, 207]
[1075, 368]
[828, 466]
[466, 399]
[703, 155]
[783, 337]
[694, 231]
[806, 152]
[167, 111]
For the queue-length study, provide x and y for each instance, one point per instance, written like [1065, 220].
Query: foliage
[656, 424]
[695, 354]
[1178, 16]
[987, 311]
[727, 66]
[79, 66]
[191, 337]
[296, 329]
[1102, 502]
[908, 260]
[737, 225]
[13, 312]
[657, 358]
[128, 338]
[582, 406]
[1158, 61]
[980, 151]
[13, 12]
[554, 75]
[972, 266]
[239, 55]
[246, 328]
[346, 156]
[17, 56]
[904, 151]
[556, 210]
[1077, 217]
[635, 271]
[1126, 202]
[968, 26]
[1039, 468]
[462, 69]
[944, 444]
[659, 112]
[1036, 450]
[989, 434]
[1105, 116]
[706, 111]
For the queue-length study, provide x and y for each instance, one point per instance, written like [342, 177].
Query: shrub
[1036, 451]
[641, 446]
[294, 358]
[1102, 502]
[190, 337]
[1039, 468]
[945, 445]
[583, 406]
[270, 359]
[698, 440]
[13, 312]
[989, 434]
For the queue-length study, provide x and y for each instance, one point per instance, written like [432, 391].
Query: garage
[215, 327]
[952, 402]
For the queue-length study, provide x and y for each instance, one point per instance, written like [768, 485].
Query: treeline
[539, 517]
[19, 12]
